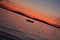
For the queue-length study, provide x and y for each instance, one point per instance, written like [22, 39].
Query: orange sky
[30, 13]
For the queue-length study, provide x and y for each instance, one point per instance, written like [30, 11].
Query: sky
[50, 7]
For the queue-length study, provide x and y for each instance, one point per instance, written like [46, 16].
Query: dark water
[8, 36]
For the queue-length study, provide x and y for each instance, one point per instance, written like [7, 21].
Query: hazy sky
[50, 7]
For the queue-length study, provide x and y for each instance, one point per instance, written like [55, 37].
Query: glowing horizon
[28, 12]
